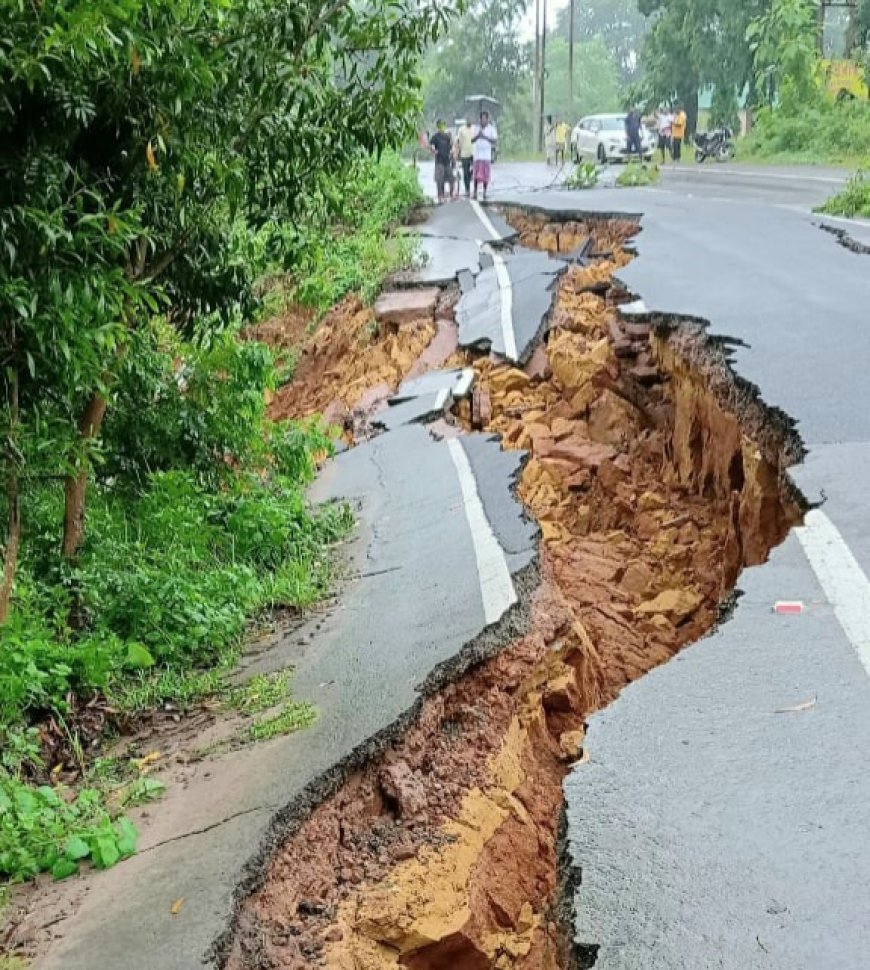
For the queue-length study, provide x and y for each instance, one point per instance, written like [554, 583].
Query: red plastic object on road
[788, 607]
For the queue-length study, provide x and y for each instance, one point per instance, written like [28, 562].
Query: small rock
[571, 744]
[400, 784]
[678, 603]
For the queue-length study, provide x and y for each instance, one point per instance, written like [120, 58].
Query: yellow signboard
[845, 79]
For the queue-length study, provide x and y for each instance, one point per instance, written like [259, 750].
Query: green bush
[42, 830]
[344, 244]
[634, 175]
[854, 200]
[829, 131]
[584, 176]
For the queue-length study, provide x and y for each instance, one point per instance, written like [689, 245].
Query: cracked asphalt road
[439, 578]
[710, 832]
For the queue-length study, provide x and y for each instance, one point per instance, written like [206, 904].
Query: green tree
[138, 138]
[694, 43]
[785, 54]
[618, 24]
[596, 80]
[481, 54]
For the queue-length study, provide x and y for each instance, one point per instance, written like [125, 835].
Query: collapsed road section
[655, 479]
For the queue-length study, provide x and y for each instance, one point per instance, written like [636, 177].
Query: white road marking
[464, 383]
[485, 220]
[738, 174]
[496, 586]
[441, 399]
[507, 307]
[841, 577]
[861, 223]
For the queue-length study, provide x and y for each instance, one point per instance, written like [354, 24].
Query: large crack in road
[655, 477]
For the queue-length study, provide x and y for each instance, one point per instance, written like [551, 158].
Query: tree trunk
[13, 457]
[76, 485]
[691, 106]
[13, 541]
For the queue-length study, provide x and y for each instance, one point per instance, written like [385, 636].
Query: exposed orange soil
[350, 360]
[651, 499]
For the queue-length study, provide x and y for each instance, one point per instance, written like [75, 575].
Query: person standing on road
[665, 124]
[484, 137]
[550, 140]
[562, 132]
[633, 135]
[465, 153]
[441, 147]
[678, 133]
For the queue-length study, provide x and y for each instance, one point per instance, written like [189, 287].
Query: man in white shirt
[484, 138]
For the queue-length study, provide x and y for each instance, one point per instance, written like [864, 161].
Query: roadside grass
[353, 251]
[825, 133]
[853, 200]
[197, 524]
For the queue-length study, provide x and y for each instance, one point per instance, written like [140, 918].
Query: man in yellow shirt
[562, 133]
[678, 133]
[465, 153]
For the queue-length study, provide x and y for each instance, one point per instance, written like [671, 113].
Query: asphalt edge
[513, 625]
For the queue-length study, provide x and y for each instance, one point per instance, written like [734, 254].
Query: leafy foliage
[825, 131]
[596, 80]
[482, 54]
[156, 159]
[351, 250]
[293, 716]
[617, 25]
[584, 176]
[784, 54]
[43, 831]
[634, 175]
[693, 43]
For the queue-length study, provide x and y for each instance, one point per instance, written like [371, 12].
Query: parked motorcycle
[718, 144]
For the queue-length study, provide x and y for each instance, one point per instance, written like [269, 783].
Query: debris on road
[788, 608]
[407, 307]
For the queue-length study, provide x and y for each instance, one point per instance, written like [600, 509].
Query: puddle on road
[656, 477]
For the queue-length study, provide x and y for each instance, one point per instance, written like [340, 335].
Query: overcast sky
[527, 29]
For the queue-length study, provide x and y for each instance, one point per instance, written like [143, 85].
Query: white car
[602, 137]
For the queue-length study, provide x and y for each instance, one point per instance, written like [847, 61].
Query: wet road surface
[719, 821]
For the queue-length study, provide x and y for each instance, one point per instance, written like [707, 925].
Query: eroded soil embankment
[652, 496]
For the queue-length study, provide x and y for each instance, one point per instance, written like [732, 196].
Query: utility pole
[536, 82]
[542, 84]
[571, 60]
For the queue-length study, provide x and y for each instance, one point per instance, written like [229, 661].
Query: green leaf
[106, 852]
[139, 657]
[127, 836]
[64, 867]
[76, 848]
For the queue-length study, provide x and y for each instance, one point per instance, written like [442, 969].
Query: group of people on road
[471, 148]
[556, 135]
[671, 126]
